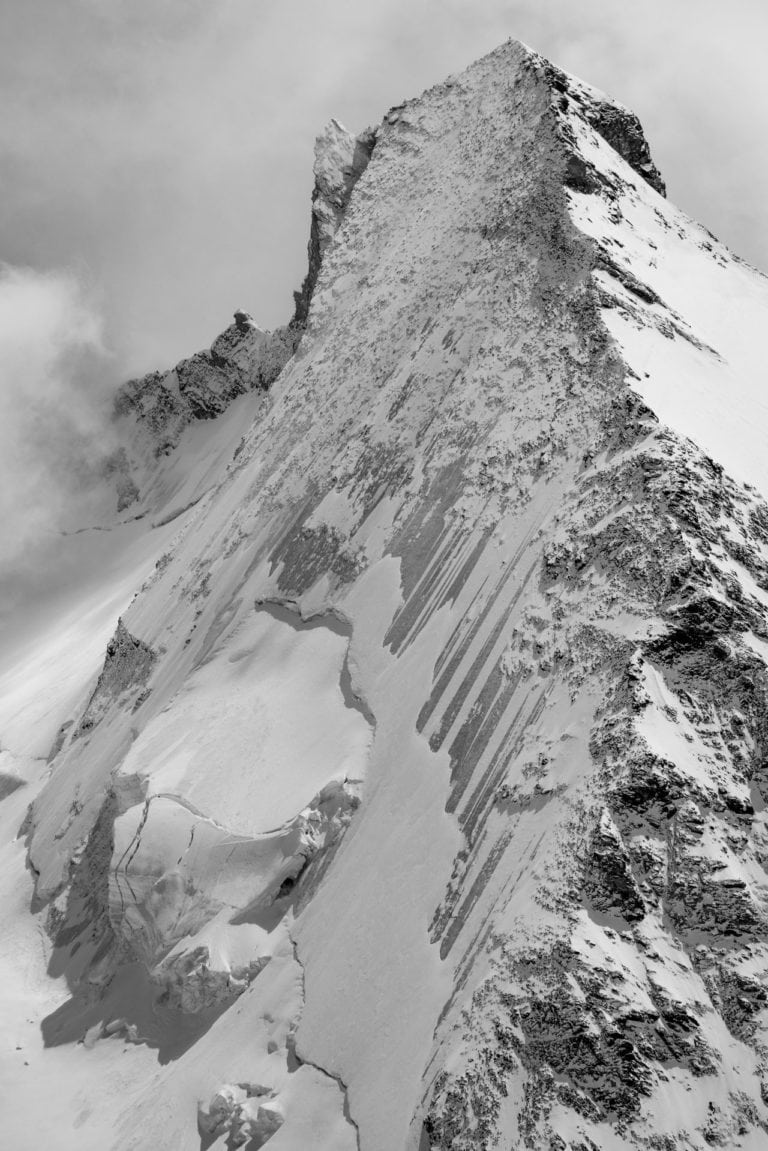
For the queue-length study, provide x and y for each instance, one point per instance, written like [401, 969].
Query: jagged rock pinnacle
[420, 799]
[340, 160]
[244, 320]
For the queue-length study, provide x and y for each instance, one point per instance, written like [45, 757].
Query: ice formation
[400, 782]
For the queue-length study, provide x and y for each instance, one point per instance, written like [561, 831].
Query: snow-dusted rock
[268, 1120]
[617, 125]
[241, 359]
[609, 883]
[153, 413]
[127, 666]
[215, 1117]
[340, 160]
[487, 576]
[244, 1112]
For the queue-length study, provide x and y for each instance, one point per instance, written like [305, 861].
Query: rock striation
[522, 899]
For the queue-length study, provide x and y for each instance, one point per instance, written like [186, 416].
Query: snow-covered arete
[419, 801]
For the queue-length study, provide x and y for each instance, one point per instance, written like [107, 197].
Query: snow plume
[53, 407]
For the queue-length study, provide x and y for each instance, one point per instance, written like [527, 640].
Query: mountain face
[395, 777]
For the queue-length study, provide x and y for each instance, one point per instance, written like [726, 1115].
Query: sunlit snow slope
[417, 800]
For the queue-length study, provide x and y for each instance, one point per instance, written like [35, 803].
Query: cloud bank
[163, 149]
[167, 144]
[53, 410]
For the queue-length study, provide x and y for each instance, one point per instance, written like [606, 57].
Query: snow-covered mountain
[392, 773]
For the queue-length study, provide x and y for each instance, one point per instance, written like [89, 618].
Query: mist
[54, 413]
[158, 153]
[165, 146]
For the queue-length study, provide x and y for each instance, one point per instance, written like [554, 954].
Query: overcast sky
[160, 150]
[156, 171]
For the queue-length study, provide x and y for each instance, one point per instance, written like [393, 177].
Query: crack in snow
[301, 1061]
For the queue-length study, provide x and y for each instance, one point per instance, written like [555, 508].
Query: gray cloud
[161, 151]
[165, 145]
[53, 414]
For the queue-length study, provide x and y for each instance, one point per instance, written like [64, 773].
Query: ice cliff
[400, 782]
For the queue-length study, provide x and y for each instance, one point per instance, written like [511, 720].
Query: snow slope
[418, 800]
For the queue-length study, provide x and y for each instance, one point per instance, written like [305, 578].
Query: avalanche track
[419, 800]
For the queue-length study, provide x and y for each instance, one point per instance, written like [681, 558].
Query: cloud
[167, 144]
[699, 85]
[53, 411]
[164, 149]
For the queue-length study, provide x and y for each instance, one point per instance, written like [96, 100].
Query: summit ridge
[419, 799]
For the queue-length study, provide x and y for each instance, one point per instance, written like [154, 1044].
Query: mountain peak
[616, 124]
[407, 782]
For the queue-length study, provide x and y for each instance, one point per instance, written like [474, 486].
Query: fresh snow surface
[398, 815]
[709, 384]
[258, 729]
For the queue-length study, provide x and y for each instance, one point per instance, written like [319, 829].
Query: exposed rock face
[340, 160]
[545, 925]
[153, 412]
[242, 358]
[118, 469]
[677, 844]
[191, 982]
[127, 666]
[615, 123]
[245, 1112]
[609, 884]
[153, 415]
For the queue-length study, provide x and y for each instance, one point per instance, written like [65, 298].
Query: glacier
[388, 768]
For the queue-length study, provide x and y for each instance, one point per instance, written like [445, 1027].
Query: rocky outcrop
[191, 981]
[673, 866]
[244, 1112]
[549, 916]
[340, 160]
[152, 415]
[241, 359]
[117, 470]
[127, 667]
[152, 412]
[616, 124]
[609, 884]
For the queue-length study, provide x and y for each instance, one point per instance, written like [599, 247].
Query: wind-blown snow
[407, 780]
[257, 729]
[713, 394]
